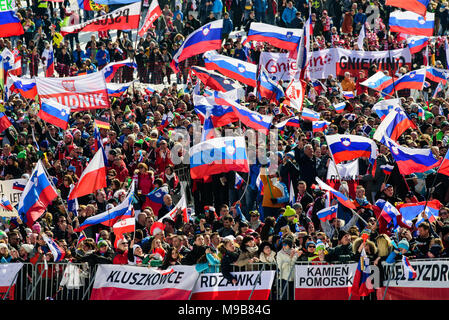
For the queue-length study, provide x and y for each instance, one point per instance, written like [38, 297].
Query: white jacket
[286, 264]
[72, 277]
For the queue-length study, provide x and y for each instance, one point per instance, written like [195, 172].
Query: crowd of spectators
[227, 227]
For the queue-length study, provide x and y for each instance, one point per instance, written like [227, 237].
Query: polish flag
[154, 12]
[92, 178]
[123, 226]
[182, 204]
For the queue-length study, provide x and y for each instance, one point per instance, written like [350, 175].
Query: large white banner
[347, 171]
[431, 282]
[323, 63]
[8, 273]
[324, 282]
[120, 282]
[279, 66]
[337, 61]
[213, 286]
[11, 190]
[353, 61]
[79, 93]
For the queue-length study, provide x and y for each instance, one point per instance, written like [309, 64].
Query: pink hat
[36, 227]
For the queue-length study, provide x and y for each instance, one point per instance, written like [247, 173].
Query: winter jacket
[227, 261]
[289, 14]
[286, 265]
[341, 253]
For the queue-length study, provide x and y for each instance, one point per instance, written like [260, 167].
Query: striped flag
[438, 89]
[102, 124]
[409, 272]
[238, 181]
[57, 252]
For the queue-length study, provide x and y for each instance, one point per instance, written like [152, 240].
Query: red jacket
[122, 171]
[162, 162]
[120, 258]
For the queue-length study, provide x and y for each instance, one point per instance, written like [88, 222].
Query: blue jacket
[260, 5]
[102, 57]
[359, 17]
[227, 26]
[217, 6]
[78, 55]
[289, 14]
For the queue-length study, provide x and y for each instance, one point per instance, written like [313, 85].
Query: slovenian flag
[363, 272]
[412, 80]
[383, 108]
[26, 87]
[409, 211]
[4, 122]
[412, 160]
[348, 94]
[239, 70]
[290, 122]
[327, 214]
[340, 196]
[229, 154]
[387, 169]
[251, 118]
[393, 125]
[310, 115]
[436, 75]
[283, 38]
[409, 272]
[416, 44]
[347, 147]
[5, 203]
[378, 81]
[55, 113]
[340, 107]
[111, 68]
[268, 88]
[215, 80]
[149, 90]
[238, 181]
[18, 186]
[409, 22]
[117, 89]
[10, 24]
[57, 252]
[110, 217]
[206, 38]
[319, 126]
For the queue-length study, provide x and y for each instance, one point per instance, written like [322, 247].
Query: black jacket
[192, 257]
[226, 264]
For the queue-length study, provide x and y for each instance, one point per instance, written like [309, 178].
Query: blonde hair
[384, 245]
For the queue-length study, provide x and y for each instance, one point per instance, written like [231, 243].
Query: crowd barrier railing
[74, 281]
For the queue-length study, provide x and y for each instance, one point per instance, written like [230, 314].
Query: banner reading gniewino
[79, 93]
[324, 282]
[124, 18]
[213, 286]
[119, 282]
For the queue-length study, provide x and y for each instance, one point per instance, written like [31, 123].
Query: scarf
[362, 201]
